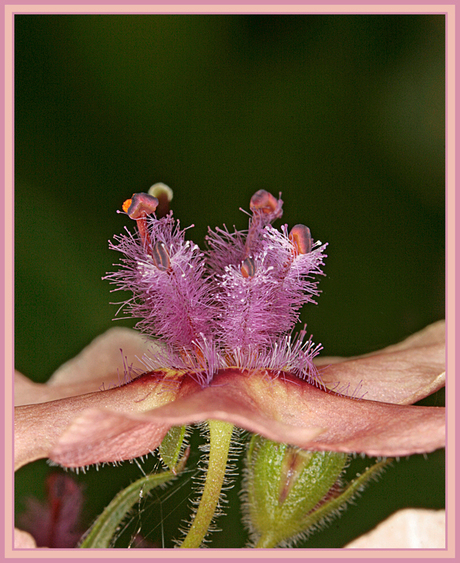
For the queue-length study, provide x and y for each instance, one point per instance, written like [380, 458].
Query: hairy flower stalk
[220, 441]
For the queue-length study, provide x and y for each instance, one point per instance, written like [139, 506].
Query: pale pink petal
[402, 374]
[102, 364]
[109, 425]
[24, 389]
[411, 528]
[39, 426]
[109, 349]
[434, 333]
[23, 540]
[103, 436]
[283, 409]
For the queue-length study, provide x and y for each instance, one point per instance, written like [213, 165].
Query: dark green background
[342, 114]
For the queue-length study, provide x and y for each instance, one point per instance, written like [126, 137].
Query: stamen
[164, 195]
[265, 209]
[140, 205]
[263, 202]
[126, 205]
[248, 268]
[300, 238]
[160, 256]
[138, 208]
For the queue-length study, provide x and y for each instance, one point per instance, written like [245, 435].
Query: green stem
[104, 528]
[220, 434]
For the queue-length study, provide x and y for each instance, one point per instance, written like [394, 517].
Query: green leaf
[102, 531]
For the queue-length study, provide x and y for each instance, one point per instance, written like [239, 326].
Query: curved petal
[414, 528]
[23, 540]
[103, 363]
[434, 333]
[39, 426]
[282, 408]
[401, 374]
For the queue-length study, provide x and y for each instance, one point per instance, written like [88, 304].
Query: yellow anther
[160, 190]
[164, 195]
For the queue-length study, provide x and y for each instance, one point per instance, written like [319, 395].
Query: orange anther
[263, 201]
[301, 239]
[140, 205]
[126, 205]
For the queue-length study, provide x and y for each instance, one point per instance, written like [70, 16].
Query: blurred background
[344, 114]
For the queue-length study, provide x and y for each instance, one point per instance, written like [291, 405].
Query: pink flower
[82, 416]
[56, 522]
[227, 352]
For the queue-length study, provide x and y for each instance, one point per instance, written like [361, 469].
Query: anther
[164, 195]
[160, 256]
[264, 202]
[300, 238]
[138, 208]
[140, 205]
[265, 209]
[248, 268]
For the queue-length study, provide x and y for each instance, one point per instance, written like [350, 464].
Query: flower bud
[289, 492]
[284, 486]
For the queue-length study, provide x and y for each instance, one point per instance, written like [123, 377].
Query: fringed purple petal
[171, 292]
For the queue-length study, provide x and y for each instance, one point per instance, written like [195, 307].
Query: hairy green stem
[102, 532]
[220, 434]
